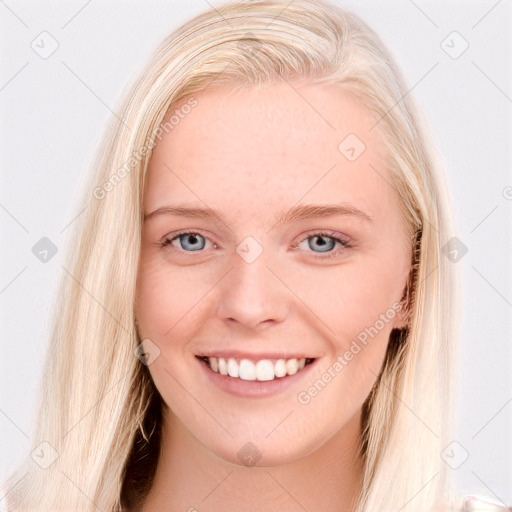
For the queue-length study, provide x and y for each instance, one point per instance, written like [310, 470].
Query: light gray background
[54, 110]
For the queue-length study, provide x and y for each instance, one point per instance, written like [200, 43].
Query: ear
[402, 317]
[404, 308]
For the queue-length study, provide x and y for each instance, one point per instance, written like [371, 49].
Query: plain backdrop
[456, 57]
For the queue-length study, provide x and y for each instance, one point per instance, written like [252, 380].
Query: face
[304, 303]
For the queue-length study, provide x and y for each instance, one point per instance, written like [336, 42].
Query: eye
[188, 241]
[325, 242]
[318, 242]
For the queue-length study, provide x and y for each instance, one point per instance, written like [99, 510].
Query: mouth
[261, 370]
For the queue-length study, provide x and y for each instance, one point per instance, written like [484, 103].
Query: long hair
[99, 411]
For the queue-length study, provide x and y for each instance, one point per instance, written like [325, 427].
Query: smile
[260, 370]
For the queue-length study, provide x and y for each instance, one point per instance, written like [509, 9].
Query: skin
[251, 155]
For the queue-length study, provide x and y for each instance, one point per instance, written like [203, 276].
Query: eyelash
[166, 241]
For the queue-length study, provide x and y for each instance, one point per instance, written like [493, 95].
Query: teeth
[232, 367]
[213, 364]
[247, 370]
[263, 370]
[292, 366]
[280, 368]
[223, 366]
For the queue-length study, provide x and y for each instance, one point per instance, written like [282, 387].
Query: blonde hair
[99, 407]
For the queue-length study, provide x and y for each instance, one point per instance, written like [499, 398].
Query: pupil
[321, 242]
[189, 240]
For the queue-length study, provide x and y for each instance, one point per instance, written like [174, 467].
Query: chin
[251, 455]
[262, 452]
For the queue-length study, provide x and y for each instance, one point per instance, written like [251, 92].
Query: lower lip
[253, 388]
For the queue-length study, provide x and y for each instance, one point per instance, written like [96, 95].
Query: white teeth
[280, 368]
[223, 366]
[232, 367]
[263, 370]
[247, 370]
[292, 366]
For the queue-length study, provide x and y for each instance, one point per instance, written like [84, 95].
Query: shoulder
[480, 503]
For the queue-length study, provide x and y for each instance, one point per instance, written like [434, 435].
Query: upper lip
[235, 354]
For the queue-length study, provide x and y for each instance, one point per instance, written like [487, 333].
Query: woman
[206, 353]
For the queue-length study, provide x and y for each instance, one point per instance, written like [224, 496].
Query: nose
[252, 295]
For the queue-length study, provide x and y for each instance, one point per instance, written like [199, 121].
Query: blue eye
[189, 241]
[325, 242]
[318, 243]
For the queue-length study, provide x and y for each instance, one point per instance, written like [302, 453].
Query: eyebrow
[300, 212]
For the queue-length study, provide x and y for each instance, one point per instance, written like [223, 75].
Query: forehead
[243, 151]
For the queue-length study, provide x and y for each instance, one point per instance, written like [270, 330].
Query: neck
[191, 478]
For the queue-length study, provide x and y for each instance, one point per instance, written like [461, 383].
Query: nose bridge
[251, 294]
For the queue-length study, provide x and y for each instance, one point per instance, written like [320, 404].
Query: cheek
[358, 303]
[350, 298]
[167, 310]
[165, 296]
[154, 303]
